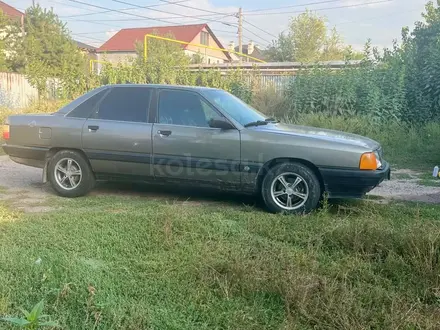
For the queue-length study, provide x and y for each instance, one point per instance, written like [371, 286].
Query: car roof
[72, 105]
[184, 87]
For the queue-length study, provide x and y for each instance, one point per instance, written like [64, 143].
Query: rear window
[85, 109]
[126, 104]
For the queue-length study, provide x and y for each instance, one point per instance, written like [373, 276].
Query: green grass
[132, 263]
[426, 179]
[401, 176]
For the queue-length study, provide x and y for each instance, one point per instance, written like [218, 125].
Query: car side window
[209, 111]
[184, 108]
[126, 104]
[86, 108]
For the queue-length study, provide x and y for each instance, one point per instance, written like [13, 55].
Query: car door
[117, 137]
[185, 147]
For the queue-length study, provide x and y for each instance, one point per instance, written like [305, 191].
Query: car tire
[291, 188]
[70, 174]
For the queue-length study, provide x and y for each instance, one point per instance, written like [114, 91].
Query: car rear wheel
[291, 188]
[70, 174]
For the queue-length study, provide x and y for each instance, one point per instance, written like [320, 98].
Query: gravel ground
[408, 188]
[22, 186]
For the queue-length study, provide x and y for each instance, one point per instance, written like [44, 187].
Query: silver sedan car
[195, 137]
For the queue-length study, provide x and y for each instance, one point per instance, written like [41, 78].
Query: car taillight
[6, 134]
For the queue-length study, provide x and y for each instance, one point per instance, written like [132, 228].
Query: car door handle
[93, 128]
[164, 133]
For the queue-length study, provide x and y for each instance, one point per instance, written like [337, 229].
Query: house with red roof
[10, 11]
[122, 45]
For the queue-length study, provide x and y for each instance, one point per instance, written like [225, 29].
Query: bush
[269, 101]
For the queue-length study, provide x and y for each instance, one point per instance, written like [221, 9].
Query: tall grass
[404, 145]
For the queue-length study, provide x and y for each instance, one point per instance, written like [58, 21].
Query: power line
[166, 12]
[122, 12]
[91, 38]
[200, 9]
[123, 9]
[320, 9]
[86, 33]
[260, 29]
[98, 23]
[292, 6]
[378, 17]
[70, 5]
[261, 38]
[142, 16]
[139, 19]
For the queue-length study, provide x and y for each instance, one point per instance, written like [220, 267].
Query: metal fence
[17, 92]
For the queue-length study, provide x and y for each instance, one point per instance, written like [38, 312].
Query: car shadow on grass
[187, 196]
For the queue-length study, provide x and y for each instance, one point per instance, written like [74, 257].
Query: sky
[355, 20]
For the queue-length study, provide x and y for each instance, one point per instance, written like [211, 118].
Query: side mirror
[220, 123]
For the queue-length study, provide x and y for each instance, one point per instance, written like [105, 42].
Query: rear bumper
[30, 156]
[345, 183]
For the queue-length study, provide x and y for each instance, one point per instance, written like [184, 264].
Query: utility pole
[240, 33]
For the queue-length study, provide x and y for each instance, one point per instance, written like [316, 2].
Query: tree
[420, 53]
[281, 50]
[308, 33]
[307, 40]
[166, 61]
[46, 51]
[9, 34]
[333, 47]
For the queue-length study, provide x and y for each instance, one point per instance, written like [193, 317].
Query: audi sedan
[195, 137]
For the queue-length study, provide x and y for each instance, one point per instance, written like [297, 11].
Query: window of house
[126, 104]
[204, 38]
[184, 108]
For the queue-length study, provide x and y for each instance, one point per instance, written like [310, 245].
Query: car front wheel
[70, 174]
[291, 188]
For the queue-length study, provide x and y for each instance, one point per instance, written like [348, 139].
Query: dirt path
[22, 186]
[409, 185]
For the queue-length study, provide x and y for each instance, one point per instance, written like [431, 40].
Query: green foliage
[308, 33]
[402, 83]
[197, 58]
[32, 320]
[421, 55]
[307, 40]
[47, 51]
[9, 30]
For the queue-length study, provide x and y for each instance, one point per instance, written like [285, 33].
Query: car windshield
[236, 108]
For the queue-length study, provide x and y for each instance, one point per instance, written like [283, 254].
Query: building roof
[257, 53]
[84, 46]
[10, 11]
[125, 39]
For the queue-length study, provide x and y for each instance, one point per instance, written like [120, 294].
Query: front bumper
[349, 183]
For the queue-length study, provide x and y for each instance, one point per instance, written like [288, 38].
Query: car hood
[321, 134]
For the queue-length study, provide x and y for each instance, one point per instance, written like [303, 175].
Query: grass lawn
[133, 263]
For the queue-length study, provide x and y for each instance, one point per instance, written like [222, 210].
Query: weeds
[32, 320]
